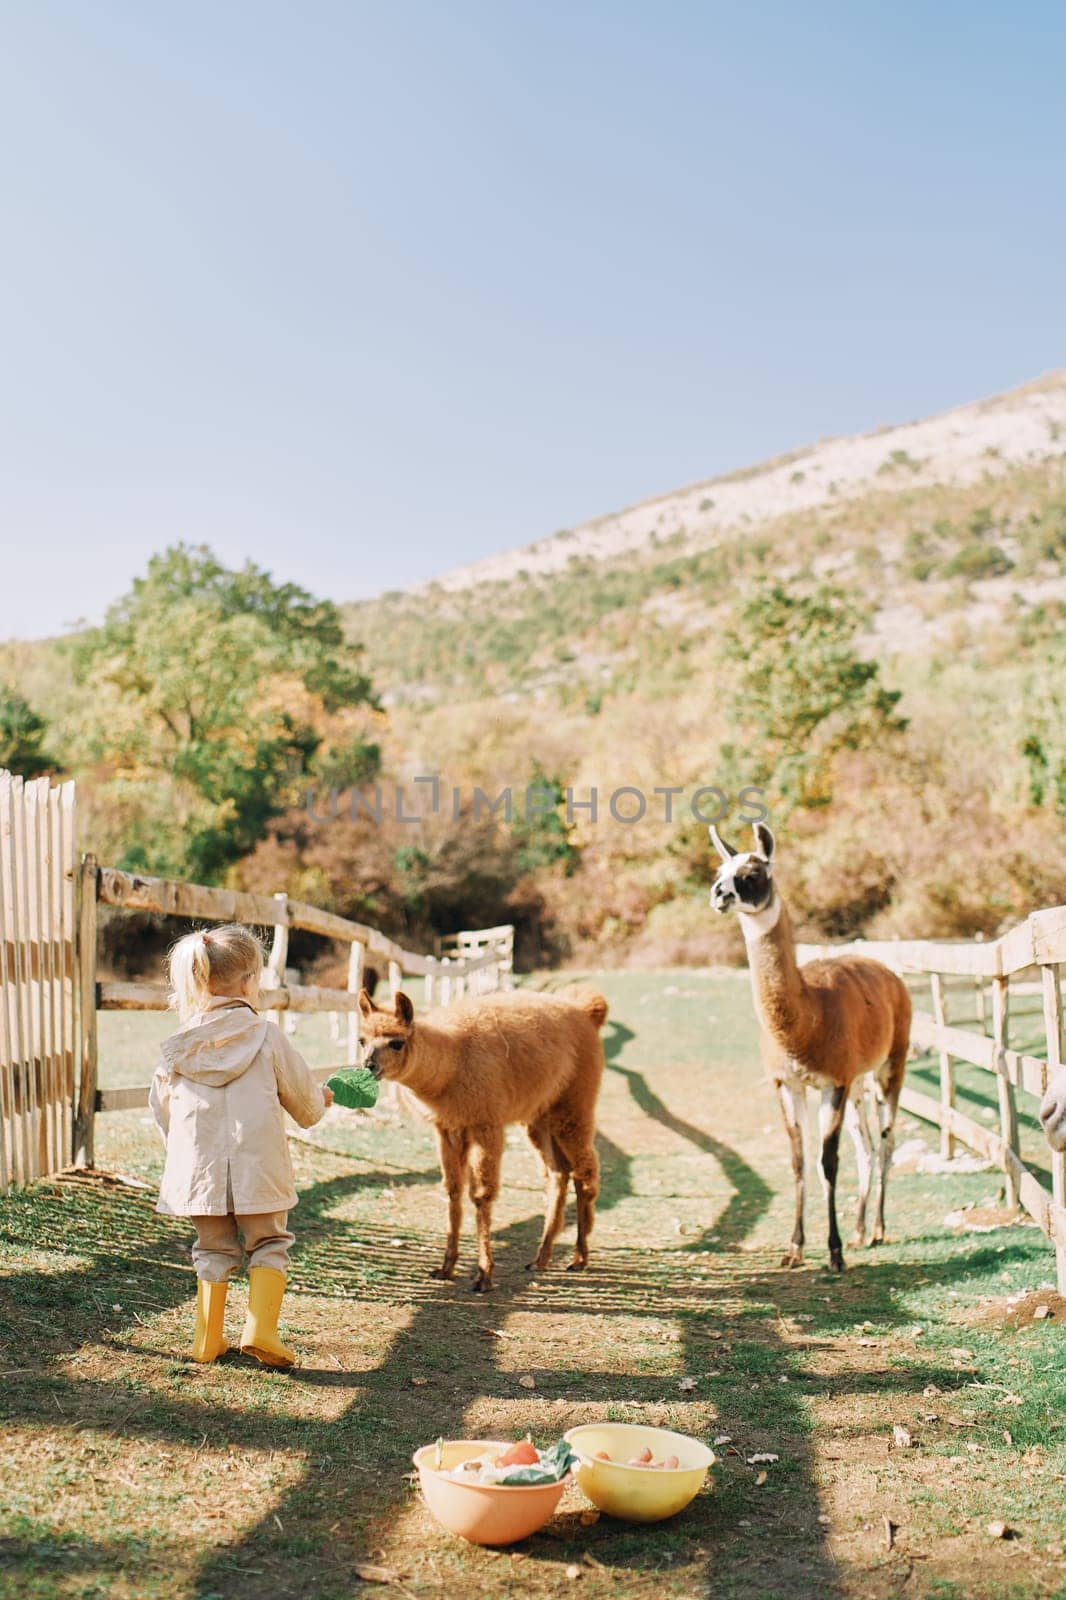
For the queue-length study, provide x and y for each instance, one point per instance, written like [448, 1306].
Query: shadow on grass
[354, 1485]
[392, 1421]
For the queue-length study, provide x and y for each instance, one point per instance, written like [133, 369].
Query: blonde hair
[213, 960]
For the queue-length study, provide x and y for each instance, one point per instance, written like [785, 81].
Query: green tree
[22, 734]
[210, 691]
[541, 831]
[800, 692]
[1043, 743]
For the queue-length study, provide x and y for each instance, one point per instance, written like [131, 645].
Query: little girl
[217, 1096]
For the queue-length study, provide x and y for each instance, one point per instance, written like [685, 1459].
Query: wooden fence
[473, 942]
[48, 959]
[485, 968]
[37, 1023]
[1039, 942]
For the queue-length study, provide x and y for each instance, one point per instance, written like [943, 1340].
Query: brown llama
[484, 1063]
[823, 1026]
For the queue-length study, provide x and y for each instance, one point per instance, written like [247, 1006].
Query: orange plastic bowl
[484, 1513]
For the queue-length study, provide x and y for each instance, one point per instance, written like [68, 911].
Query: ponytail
[215, 960]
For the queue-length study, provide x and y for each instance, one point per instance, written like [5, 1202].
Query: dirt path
[130, 1472]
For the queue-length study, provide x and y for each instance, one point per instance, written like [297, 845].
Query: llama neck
[780, 992]
[432, 1061]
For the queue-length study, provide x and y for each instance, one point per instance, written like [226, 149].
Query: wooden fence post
[37, 930]
[1049, 977]
[15, 1050]
[31, 1035]
[83, 1127]
[355, 983]
[279, 954]
[68, 960]
[1008, 1110]
[947, 1071]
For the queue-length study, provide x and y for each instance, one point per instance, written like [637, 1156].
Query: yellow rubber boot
[266, 1286]
[209, 1341]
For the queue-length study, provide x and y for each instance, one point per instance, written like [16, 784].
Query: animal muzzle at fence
[1053, 1114]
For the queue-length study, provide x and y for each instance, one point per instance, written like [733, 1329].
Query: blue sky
[366, 291]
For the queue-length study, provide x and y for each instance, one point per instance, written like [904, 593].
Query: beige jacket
[217, 1096]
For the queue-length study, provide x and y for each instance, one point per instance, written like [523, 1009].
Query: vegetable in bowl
[518, 1466]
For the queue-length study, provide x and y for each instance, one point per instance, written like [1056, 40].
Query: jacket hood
[219, 1045]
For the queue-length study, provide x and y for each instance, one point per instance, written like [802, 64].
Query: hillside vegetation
[870, 631]
[620, 666]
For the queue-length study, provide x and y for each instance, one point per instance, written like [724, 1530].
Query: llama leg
[452, 1145]
[576, 1144]
[485, 1155]
[857, 1125]
[793, 1100]
[889, 1084]
[557, 1182]
[586, 1187]
[830, 1120]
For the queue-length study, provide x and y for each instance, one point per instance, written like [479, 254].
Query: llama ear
[764, 840]
[366, 1005]
[405, 1011]
[726, 851]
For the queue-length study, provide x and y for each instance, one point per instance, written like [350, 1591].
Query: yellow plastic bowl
[484, 1513]
[638, 1494]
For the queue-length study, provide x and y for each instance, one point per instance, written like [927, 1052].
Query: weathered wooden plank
[274, 972]
[975, 1048]
[69, 961]
[1056, 1048]
[355, 984]
[10, 1045]
[313, 919]
[31, 1059]
[1039, 940]
[296, 997]
[1023, 1071]
[132, 1099]
[136, 892]
[983, 1140]
[1045, 1209]
[88, 886]
[1016, 949]
[914, 956]
[197, 900]
[1008, 1112]
[947, 1074]
[54, 914]
[1041, 1206]
[1026, 1072]
[37, 874]
[1049, 935]
[135, 1098]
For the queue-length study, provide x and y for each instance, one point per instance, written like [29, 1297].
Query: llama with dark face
[828, 1025]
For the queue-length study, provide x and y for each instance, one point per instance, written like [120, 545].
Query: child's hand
[327, 1095]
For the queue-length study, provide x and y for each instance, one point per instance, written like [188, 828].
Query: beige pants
[217, 1253]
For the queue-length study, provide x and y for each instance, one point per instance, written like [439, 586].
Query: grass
[126, 1471]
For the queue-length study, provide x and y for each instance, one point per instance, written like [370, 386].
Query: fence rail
[482, 963]
[1039, 942]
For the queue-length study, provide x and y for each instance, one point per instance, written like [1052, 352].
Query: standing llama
[821, 1026]
[484, 1063]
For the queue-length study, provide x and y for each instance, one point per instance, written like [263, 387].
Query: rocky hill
[971, 444]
